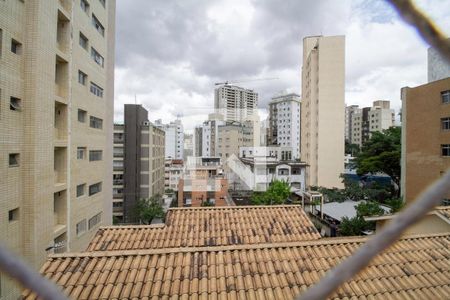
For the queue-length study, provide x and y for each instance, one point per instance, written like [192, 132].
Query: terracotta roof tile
[218, 226]
[417, 267]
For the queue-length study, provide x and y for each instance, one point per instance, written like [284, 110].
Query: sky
[169, 54]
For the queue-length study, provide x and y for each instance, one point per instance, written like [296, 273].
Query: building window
[95, 220]
[84, 42]
[445, 123]
[82, 77]
[95, 188]
[96, 90]
[97, 25]
[15, 104]
[118, 165]
[95, 155]
[445, 149]
[95, 122]
[81, 189]
[13, 215]
[84, 6]
[445, 96]
[81, 227]
[97, 57]
[82, 115]
[14, 159]
[16, 47]
[81, 152]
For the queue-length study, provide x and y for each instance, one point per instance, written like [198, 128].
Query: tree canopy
[277, 193]
[381, 153]
[148, 209]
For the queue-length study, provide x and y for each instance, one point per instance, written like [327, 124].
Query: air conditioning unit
[146, 123]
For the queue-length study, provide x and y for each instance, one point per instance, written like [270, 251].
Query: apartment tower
[138, 162]
[174, 138]
[322, 111]
[425, 137]
[349, 112]
[235, 103]
[371, 119]
[284, 122]
[57, 91]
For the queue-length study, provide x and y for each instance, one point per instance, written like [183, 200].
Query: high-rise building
[438, 67]
[57, 91]
[371, 119]
[138, 163]
[322, 111]
[235, 103]
[173, 171]
[206, 136]
[349, 111]
[425, 137]
[284, 122]
[174, 138]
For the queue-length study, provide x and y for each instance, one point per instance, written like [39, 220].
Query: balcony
[59, 212]
[63, 32]
[60, 165]
[60, 122]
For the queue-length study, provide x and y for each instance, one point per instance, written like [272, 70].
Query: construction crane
[245, 80]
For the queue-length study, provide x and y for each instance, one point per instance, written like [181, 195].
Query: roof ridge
[236, 207]
[323, 241]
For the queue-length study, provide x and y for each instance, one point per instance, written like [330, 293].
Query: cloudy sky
[170, 53]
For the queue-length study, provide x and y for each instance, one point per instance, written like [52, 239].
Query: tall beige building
[322, 111]
[56, 110]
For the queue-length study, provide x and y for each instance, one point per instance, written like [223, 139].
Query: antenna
[135, 99]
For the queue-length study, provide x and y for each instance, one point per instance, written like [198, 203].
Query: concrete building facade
[284, 122]
[232, 136]
[235, 103]
[188, 146]
[425, 137]
[173, 172]
[138, 164]
[56, 110]
[174, 138]
[349, 112]
[206, 136]
[322, 110]
[371, 119]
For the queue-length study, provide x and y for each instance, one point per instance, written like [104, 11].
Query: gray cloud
[170, 53]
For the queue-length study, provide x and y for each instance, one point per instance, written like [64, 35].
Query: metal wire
[425, 27]
[18, 270]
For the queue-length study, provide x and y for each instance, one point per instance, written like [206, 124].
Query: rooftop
[211, 226]
[338, 210]
[415, 267]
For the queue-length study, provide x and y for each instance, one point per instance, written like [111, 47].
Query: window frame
[445, 97]
[82, 112]
[16, 157]
[445, 124]
[94, 121]
[96, 90]
[445, 150]
[97, 185]
[85, 43]
[82, 78]
[98, 25]
[83, 186]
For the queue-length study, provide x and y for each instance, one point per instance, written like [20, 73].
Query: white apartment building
[370, 119]
[257, 167]
[174, 138]
[56, 110]
[235, 103]
[323, 107]
[349, 112]
[206, 136]
[284, 120]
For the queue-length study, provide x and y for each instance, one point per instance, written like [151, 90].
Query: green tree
[395, 204]
[368, 209]
[148, 209]
[277, 193]
[381, 153]
[352, 226]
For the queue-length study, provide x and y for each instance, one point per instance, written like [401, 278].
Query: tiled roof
[413, 268]
[444, 211]
[212, 226]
